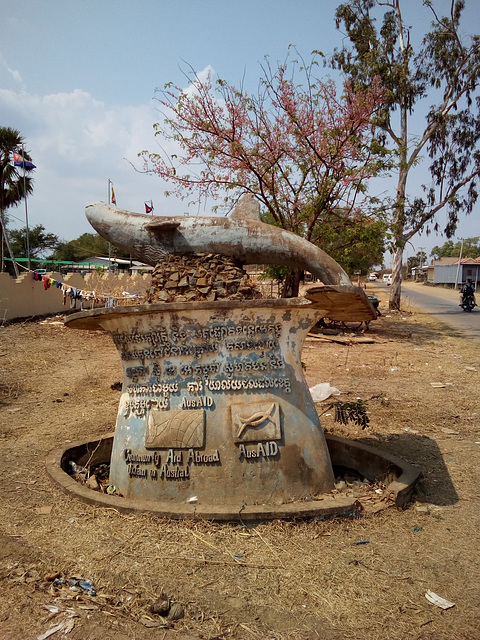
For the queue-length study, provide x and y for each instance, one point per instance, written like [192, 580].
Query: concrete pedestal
[214, 409]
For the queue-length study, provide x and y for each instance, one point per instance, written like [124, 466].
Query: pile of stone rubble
[196, 277]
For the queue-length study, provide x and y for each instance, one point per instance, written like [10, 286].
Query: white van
[386, 276]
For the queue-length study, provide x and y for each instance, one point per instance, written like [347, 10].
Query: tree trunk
[291, 286]
[2, 255]
[7, 242]
[399, 215]
[398, 226]
[395, 291]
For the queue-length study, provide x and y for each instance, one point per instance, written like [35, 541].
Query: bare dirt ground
[278, 580]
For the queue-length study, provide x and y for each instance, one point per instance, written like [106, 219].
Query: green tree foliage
[416, 261]
[442, 76]
[85, 246]
[38, 239]
[450, 249]
[14, 182]
[357, 245]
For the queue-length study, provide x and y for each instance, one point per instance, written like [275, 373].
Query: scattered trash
[176, 612]
[322, 391]
[44, 511]
[166, 609]
[74, 584]
[152, 624]
[393, 368]
[416, 529]
[52, 609]
[111, 490]
[50, 577]
[470, 368]
[65, 627]
[75, 468]
[116, 386]
[92, 483]
[77, 471]
[427, 508]
[192, 500]
[438, 601]
[412, 431]
[357, 542]
[437, 385]
[450, 431]
[161, 606]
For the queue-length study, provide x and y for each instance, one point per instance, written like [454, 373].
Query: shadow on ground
[436, 486]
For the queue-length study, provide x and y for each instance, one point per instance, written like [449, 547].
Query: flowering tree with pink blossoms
[302, 150]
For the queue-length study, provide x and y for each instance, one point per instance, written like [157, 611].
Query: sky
[78, 79]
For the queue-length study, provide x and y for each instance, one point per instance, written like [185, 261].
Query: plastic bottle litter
[75, 584]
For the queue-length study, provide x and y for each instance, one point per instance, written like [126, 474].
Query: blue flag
[19, 161]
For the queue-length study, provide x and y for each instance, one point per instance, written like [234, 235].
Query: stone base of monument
[373, 464]
[215, 417]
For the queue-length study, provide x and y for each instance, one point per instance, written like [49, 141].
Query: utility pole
[459, 264]
[422, 249]
[27, 231]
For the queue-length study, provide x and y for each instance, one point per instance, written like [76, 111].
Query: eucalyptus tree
[442, 76]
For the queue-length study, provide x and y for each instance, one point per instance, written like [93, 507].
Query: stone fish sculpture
[242, 236]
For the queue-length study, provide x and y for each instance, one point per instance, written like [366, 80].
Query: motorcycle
[468, 302]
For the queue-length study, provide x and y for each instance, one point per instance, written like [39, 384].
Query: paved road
[443, 305]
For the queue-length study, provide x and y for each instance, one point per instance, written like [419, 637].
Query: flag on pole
[113, 199]
[19, 161]
[149, 207]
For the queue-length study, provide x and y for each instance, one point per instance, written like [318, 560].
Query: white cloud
[77, 144]
[200, 77]
[7, 74]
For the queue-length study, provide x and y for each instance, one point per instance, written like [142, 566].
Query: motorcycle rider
[467, 290]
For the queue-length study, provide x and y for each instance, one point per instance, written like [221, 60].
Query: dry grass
[276, 580]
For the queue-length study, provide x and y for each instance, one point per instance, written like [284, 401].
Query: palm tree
[14, 184]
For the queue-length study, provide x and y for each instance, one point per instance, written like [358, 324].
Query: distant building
[112, 264]
[451, 271]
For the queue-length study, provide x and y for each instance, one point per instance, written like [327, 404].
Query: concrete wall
[447, 274]
[25, 297]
